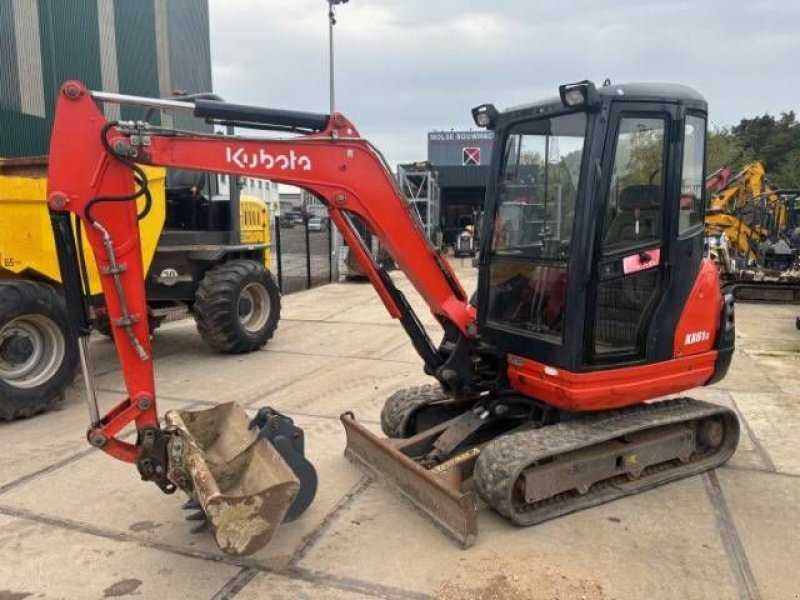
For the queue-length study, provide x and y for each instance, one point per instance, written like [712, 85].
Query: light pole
[335, 236]
[331, 23]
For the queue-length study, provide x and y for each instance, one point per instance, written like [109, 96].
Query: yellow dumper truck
[205, 253]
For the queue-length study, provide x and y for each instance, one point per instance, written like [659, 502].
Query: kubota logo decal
[284, 162]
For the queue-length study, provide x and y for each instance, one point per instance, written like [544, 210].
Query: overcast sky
[405, 67]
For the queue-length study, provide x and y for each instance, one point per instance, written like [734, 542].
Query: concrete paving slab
[660, 544]
[113, 497]
[324, 302]
[212, 377]
[404, 352]
[766, 513]
[775, 421]
[745, 374]
[759, 322]
[278, 587]
[44, 561]
[376, 313]
[29, 445]
[781, 366]
[372, 310]
[174, 337]
[349, 384]
[348, 340]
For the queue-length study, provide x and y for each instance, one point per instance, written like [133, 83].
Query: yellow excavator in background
[753, 234]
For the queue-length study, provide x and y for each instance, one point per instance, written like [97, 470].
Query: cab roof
[643, 92]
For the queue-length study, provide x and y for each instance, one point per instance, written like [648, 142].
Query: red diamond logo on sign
[471, 156]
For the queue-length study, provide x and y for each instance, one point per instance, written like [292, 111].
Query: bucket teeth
[191, 504]
[242, 486]
[200, 528]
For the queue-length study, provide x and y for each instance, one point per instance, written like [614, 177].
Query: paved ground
[77, 524]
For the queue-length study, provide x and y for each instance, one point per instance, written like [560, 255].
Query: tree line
[774, 141]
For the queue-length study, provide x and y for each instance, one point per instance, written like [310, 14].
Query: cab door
[632, 251]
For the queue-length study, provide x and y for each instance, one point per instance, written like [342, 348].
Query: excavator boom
[93, 175]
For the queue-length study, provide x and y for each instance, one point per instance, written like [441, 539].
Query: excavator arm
[93, 175]
[245, 475]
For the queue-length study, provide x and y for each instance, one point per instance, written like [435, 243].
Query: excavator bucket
[239, 479]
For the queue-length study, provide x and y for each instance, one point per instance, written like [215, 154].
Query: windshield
[538, 187]
[537, 193]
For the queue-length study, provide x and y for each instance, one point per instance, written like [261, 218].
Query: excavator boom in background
[753, 234]
[593, 299]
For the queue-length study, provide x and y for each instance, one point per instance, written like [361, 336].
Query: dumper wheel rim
[38, 355]
[237, 306]
[254, 307]
[31, 350]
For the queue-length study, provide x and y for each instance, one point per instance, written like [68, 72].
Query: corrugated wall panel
[137, 61]
[189, 45]
[109, 71]
[189, 53]
[71, 44]
[107, 44]
[9, 79]
[29, 57]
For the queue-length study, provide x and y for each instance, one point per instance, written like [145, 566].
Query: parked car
[292, 218]
[317, 224]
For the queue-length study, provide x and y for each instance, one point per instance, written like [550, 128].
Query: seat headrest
[644, 197]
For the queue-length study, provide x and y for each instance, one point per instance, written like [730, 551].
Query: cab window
[633, 209]
[692, 179]
[533, 225]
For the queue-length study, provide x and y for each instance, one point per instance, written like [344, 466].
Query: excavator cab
[594, 216]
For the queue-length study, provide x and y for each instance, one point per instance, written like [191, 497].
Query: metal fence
[302, 252]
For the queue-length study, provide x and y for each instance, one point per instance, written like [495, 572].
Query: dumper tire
[34, 334]
[237, 306]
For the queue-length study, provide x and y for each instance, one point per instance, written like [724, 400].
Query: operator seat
[648, 199]
[187, 205]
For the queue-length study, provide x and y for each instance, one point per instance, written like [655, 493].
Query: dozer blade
[241, 483]
[435, 492]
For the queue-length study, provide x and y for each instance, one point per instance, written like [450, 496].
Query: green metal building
[139, 47]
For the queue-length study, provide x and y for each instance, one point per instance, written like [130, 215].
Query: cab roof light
[580, 94]
[485, 116]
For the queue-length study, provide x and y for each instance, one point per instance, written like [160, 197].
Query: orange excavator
[594, 302]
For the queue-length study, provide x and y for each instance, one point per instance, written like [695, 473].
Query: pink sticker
[641, 261]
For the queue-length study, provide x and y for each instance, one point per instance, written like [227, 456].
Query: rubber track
[502, 460]
[400, 406]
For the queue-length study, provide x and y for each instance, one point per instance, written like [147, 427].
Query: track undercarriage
[536, 467]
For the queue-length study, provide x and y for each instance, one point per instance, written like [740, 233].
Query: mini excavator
[555, 386]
